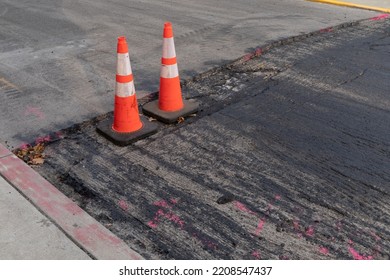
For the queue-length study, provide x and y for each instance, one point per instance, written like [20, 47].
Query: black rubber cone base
[123, 139]
[151, 109]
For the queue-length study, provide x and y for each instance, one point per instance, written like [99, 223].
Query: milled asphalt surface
[57, 58]
[287, 159]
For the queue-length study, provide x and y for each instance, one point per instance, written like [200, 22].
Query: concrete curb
[79, 226]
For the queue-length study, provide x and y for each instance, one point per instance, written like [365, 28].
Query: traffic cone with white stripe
[170, 105]
[126, 126]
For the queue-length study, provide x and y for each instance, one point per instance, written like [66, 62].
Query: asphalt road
[57, 58]
[288, 158]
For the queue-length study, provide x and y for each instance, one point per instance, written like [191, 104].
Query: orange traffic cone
[170, 106]
[126, 126]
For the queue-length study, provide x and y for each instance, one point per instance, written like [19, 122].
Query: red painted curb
[4, 152]
[84, 230]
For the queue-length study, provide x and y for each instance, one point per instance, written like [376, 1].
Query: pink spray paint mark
[156, 219]
[310, 231]
[358, 256]
[248, 57]
[34, 111]
[175, 219]
[278, 197]
[382, 16]
[43, 139]
[162, 203]
[256, 255]
[259, 227]
[167, 215]
[59, 134]
[324, 251]
[296, 225]
[243, 208]
[152, 224]
[123, 205]
[24, 146]
[258, 52]
[326, 30]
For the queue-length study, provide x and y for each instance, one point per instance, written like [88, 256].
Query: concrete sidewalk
[26, 233]
[39, 222]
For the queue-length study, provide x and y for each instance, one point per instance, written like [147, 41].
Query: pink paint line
[123, 205]
[256, 255]
[358, 256]
[176, 219]
[152, 224]
[169, 216]
[310, 231]
[326, 30]
[43, 139]
[59, 134]
[248, 57]
[24, 146]
[324, 251]
[259, 227]
[162, 203]
[296, 225]
[156, 219]
[382, 16]
[243, 208]
[258, 52]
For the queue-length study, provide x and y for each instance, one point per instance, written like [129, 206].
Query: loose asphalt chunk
[288, 158]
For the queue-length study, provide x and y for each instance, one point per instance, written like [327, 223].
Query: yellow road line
[352, 5]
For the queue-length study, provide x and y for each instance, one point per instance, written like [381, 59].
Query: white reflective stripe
[123, 67]
[124, 89]
[169, 71]
[168, 48]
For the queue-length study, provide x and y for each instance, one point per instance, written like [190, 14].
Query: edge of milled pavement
[78, 226]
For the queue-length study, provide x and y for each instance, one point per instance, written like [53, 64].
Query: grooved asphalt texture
[288, 158]
[57, 58]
